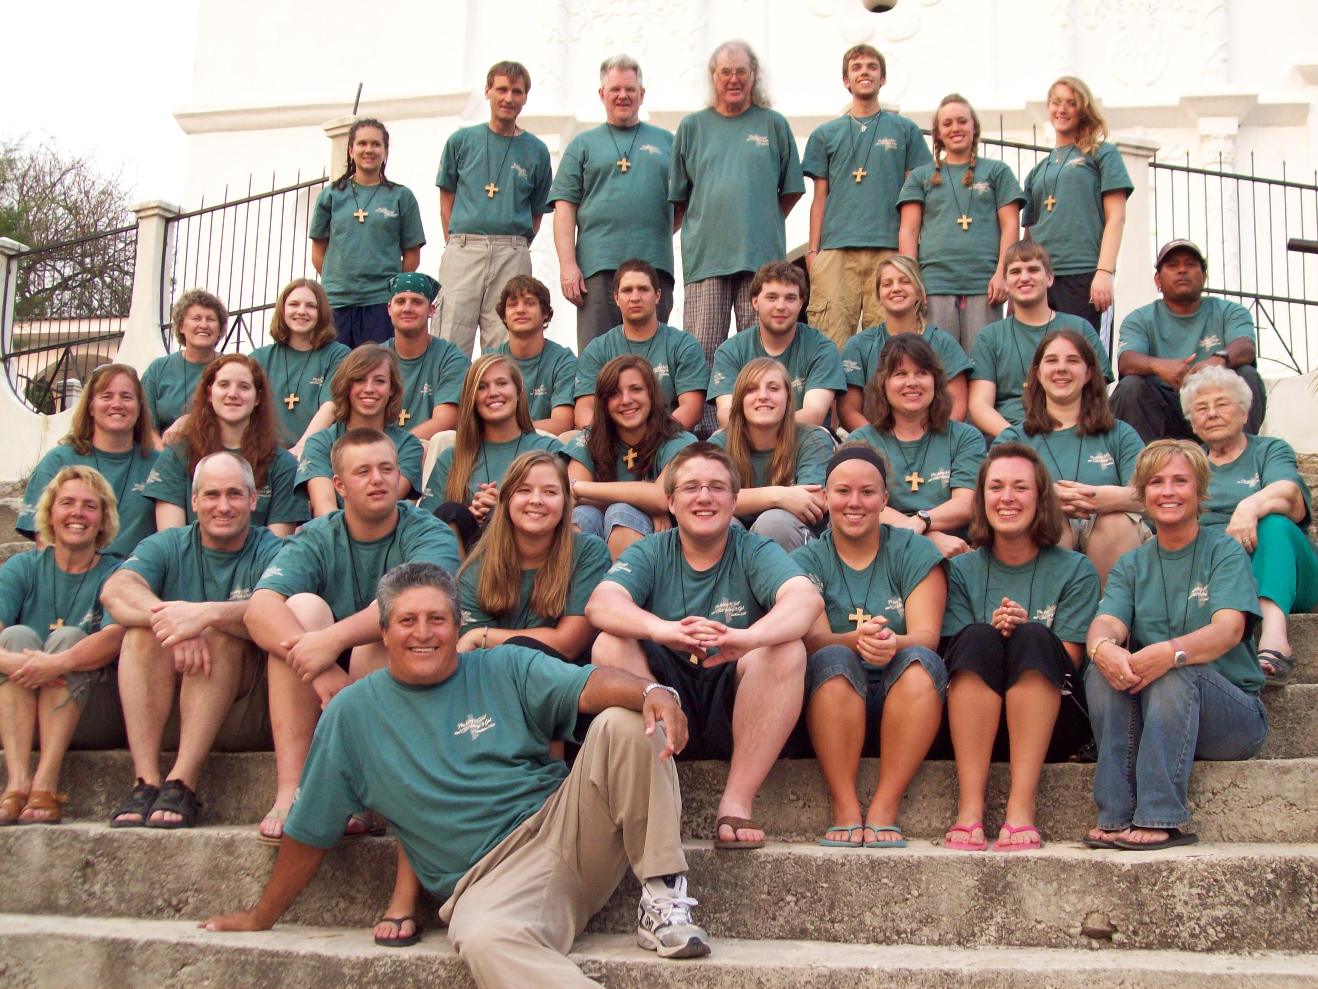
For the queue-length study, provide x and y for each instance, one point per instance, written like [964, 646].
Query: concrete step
[1292, 721]
[19, 545]
[1202, 898]
[9, 508]
[113, 952]
[1303, 631]
[1264, 800]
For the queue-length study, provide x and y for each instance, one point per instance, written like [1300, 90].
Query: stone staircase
[89, 906]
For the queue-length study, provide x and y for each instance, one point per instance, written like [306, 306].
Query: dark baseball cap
[1180, 245]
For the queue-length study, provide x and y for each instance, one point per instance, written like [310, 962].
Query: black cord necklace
[1021, 362]
[121, 489]
[492, 187]
[624, 161]
[989, 563]
[963, 219]
[860, 173]
[290, 378]
[1051, 200]
[1166, 599]
[858, 614]
[1079, 452]
[485, 459]
[914, 478]
[360, 598]
[360, 213]
[713, 587]
[202, 568]
[55, 571]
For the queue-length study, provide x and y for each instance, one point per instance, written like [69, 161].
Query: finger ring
[1122, 679]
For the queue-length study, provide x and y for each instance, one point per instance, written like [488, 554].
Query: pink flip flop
[965, 846]
[1025, 846]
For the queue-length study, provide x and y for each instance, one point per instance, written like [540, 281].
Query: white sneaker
[663, 919]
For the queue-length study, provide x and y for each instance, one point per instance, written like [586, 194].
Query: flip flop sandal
[1282, 666]
[850, 829]
[47, 801]
[139, 802]
[737, 824]
[11, 805]
[176, 797]
[399, 942]
[277, 815]
[1018, 846]
[966, 846]
[900, 842]
[1175, 836]
[1092, 842]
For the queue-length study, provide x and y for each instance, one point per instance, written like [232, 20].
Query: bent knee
[612, 650]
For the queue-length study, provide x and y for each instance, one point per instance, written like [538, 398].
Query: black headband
[857, 451]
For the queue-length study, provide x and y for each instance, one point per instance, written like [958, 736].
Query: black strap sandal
[139, 802]
[1282, 666]
[176, 798]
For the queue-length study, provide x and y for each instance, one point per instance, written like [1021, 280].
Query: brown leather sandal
[44, 800]
[11, 805]
[737, 824]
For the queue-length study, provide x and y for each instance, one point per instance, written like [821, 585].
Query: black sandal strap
[140, 801]
[176, 797]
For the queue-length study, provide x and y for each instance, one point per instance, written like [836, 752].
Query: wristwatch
[928, 521]
[661, 686]
[1226, 358]
[1179, 657]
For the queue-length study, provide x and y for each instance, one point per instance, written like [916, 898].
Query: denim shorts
[600, 523]
[869, 681]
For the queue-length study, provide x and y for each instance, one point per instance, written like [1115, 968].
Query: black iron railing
[244, 251]
[70, 302]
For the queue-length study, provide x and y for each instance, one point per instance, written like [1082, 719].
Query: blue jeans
[1148, 741]
[600, 523]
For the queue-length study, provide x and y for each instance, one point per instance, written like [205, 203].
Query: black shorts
[707, 695]
[1070, 294]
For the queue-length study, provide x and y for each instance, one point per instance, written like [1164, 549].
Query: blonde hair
[909, 267]
[95, 480]
[940, 152]
[1159, 453]
[1091, 130]
[782, 462]
[471, 428]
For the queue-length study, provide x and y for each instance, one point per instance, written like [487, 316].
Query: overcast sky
[104, 79]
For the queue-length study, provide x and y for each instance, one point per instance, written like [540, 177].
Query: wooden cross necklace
[860, 173]
[624, 161]
[914, 477]
[964, 219]
[858, 615]
[54, 588]
[359, 213]
[290, 379]
[1051, 201]
[490, 187]
[630, 458]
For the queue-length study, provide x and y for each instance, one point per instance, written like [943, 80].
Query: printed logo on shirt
[759, 140]
[1078, 160]
[981, 187]
[717, 378]
[1199, 594]
[819, 584]
[521, 172]
[850, 365]
[661, 370]
[895, 606]
[1250, 482]
[798, 384]
[1210, 342]
[539, 391]
[474, 726]
[944, 475]
[88, 618]
[272, 571]
[387, 213]
[240, 594]
[317, 380]
[1045, 616]
[620, 567]
[153, 477]
[426, 389]
[139, 487]
[651, 149]
[728, 609]
[467, 617]
[1103, 460]
[886, 143]
[263, 492]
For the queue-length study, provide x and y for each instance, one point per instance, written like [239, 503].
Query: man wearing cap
[493, 189]
[1173, 337]
[610, 197]
[433, 369]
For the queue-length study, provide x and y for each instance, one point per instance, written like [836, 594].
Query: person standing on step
[364, 229]
[301, 361]
[493, 191]
[313, 608]
[1172, 674]
[675, 357]
[610, 197]
[494, 826]
[1017, 611]
[1171, 338]
[57, 646]
[874, 682]
[735, 176]
[1075, 207]
[199, 321]
[1002, 351]
[182, 598]
[718, 614]
[858, 163]
[778, 292]
[959, 215]
[549, 370]
[110, 432]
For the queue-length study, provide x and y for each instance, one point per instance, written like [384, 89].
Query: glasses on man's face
[1220, 408]
[742, 74]
[692, 489]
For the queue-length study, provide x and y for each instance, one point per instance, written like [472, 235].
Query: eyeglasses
[1221, 408]
[742, 74]
[691, 489]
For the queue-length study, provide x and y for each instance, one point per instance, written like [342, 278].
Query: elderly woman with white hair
[1256, 493]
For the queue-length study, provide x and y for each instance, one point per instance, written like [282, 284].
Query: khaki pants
[514, 915]
[472, 272]
[842, 292]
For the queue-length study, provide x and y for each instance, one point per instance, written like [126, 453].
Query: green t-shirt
[35, 592]
[471, 752]
[322, 559]
[590, 558]
[315, 460]
[578, 451]
[1073, 231]
[519, 166]
[730, 172]
[434, 378]
[1095, 459]
[738, 591]
[860, 356]
[620, 215]
[178, 567]
[548, 378]
[169, 383]
[363, 255]
[814, 446]
[126, 472]
[1003, 351]
[811, 359]
[1156, 331]
[278, 500]
[306, 375]
[881, 589]
[1180, 591]
[943, 462]
[1265, 459]
[1058, 588]
[864, 213]
[675, 356]
[492, 462]
[954, 261]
